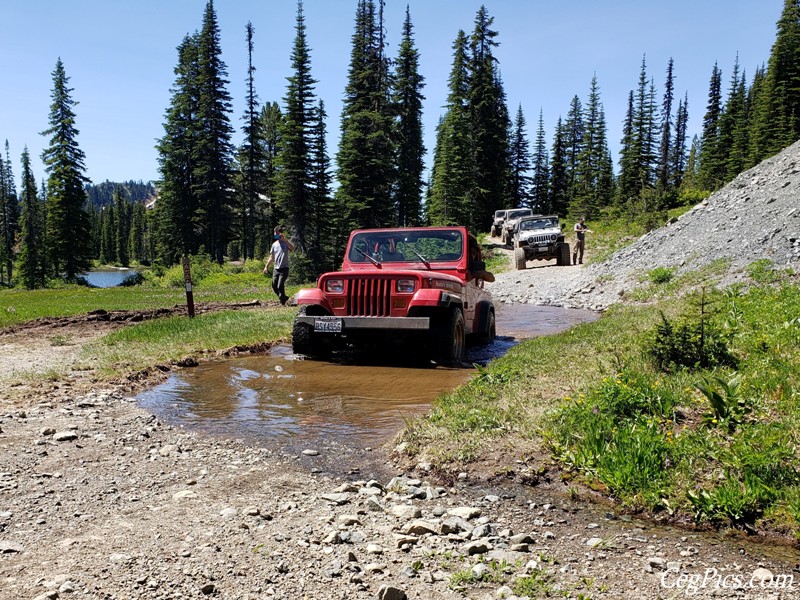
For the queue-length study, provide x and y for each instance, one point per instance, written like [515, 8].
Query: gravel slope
[756, 216]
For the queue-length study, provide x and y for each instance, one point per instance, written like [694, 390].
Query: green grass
[717, 443]
[163, 340]
[164, 291]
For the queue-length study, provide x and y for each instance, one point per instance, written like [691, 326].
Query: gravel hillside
[756, 216]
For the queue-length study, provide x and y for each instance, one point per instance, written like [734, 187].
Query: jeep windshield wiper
[422, 258]
[374, 261]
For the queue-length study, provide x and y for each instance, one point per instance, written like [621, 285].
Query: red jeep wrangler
[398, 285]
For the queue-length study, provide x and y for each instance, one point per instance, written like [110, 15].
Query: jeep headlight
[406, 286]
[334, 286]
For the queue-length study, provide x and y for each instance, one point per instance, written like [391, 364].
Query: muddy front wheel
[451, 339]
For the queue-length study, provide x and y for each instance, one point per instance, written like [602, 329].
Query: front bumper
[366, 323]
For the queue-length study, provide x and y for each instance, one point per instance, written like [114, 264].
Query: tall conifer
[711, 160]
[408, 84]
[213, 151]
[521, 192]
[449, 199]
[250, 159]
[176, 209]
[32, 255]
[366, 147]
[558, 195]
[490, 125]
[68, 227]
[294, 191]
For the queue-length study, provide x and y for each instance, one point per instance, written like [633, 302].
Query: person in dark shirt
[580, 233]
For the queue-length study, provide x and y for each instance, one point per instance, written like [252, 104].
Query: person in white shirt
[279, 255]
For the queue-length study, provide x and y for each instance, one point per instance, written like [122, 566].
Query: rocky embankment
[756, 216]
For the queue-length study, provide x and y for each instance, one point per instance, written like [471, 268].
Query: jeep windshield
[527, 225]
[406, 246]
[516, 214]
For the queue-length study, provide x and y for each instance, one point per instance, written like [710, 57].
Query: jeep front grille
[369, 297]
[541, 239]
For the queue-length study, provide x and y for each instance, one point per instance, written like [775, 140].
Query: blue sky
[120, 58]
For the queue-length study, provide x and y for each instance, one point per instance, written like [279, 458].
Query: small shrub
[688, 345]
[661, 275]
[762, 271]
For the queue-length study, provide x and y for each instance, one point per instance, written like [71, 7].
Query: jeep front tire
[519, 258]
[450, 339]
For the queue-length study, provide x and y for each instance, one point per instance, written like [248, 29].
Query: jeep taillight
[406, 286]
[334, 286]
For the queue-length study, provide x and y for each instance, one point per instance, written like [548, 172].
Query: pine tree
[68, 228]
[330, 239]
[541, 170]
[366, 146]
[408, 84]
[733, 127]
[558, 195]
[177, 205]
[265, 220]
[136, 238]
[251, 159]
[573, 138]
[521, 193]
[32, 255]
[490, 124]
[294, 194]
[592, 188]
[628, 182]
[644, 127]
[663, 174]
[776, 122]
[121, 227]
[711, 160]
[678, 152]
[212, 150]
[449, 200]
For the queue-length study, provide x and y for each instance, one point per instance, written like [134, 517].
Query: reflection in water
[280, 397]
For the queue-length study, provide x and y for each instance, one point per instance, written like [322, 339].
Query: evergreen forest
[222, 200]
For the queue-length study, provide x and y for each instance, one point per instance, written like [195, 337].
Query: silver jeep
[512, 216]
[497, 224]
[539, 238]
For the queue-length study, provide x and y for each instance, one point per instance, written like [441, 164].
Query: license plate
[328, 325]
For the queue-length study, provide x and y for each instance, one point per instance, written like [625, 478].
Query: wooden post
[187, 278]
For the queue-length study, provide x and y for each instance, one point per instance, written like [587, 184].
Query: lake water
[105, 278]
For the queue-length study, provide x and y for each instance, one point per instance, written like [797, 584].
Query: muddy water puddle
[283, 401]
